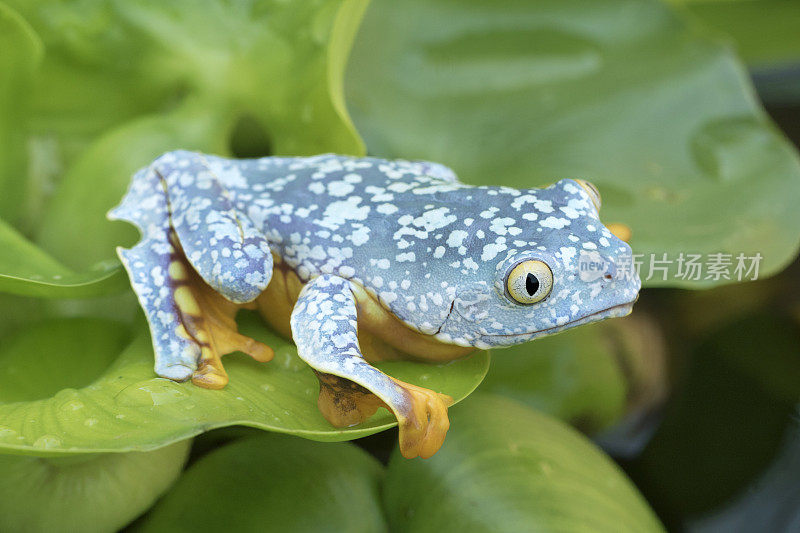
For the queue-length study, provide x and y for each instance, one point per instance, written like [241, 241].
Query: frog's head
[558, 267]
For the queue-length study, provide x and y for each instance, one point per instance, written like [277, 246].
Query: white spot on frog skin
[388, 297]
[567, 254]
[489, 213]
[337, 213]
[571, 212]
[470, 264]
[158, 275]
[435, 219]
[386, 209]
[491, 250]
[554, 222]
[500, 225]
[360, 236]
[340, 188]
[456, 238]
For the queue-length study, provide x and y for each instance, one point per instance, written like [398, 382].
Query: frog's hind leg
[220, 241]
[209, 319]
[324, 327]
[190, 324]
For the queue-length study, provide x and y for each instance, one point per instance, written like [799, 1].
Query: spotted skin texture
[433, 252]
[324, 327]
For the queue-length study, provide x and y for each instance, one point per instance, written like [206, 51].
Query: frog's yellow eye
[593, 193]
[529, 282]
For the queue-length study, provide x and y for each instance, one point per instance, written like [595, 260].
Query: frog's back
[320, 212]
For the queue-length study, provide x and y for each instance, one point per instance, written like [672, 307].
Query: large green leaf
[90, 493]
[507, 468]
[21, 52]
[74, 228]
[27, 270]
[589, 376]
[125, 407]
[115, 60]
[574, 376]
[215, 54]
[624, 94]
[764, 32]
[275, 483]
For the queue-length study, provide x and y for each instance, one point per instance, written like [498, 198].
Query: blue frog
[359, 260]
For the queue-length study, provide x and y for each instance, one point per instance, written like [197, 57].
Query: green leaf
[125, 407]
[764, 32]
[215, 54]
[29, 271]
[625, 95]
[21, 53]
[294, 91]
[88, 493]
[275, 483]
[505, 468]
[214, 47]
[574, 376]
[74, 228]
[36, 362]
[591, 376]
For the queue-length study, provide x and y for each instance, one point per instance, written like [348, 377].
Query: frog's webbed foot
[351, 390]
[208, 319]
[424, 426]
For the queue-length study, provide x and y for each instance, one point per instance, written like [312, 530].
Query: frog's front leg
[191, 324]
[324, 327]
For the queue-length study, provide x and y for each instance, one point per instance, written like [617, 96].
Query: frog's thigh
[324, 328]
[221, 243]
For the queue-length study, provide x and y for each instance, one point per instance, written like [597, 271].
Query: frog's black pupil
[531, 284]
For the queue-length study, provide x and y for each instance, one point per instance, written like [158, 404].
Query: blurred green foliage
[89, 493]
[764, 32]
[632, 94]
[274, 483]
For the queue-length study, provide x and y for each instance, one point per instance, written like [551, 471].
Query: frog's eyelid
[592, 191]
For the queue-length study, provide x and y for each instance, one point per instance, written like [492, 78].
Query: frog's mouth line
[615, 310]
